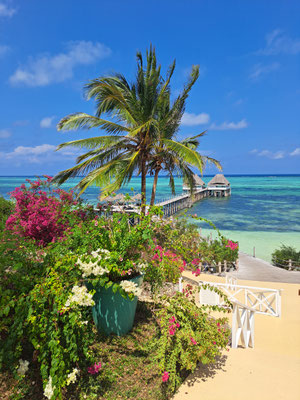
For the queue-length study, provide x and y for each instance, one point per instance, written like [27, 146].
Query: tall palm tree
[132, 129]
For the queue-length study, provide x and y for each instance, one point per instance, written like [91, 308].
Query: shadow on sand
[204, 372]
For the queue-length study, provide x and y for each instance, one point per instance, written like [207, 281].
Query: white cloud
[6, 11]
[225, 126]
[44, 153]
[194, 119]
[277, 42]
[260, 70]
[46, 122]
[273, 155]
[254, 151]
[4, 133]
[47, 69]
[296, 152]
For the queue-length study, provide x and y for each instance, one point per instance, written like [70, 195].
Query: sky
[247, 96]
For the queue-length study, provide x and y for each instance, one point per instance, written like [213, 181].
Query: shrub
[188, 335]
[164, 266]
[281, 256]
[6, 208]
[42, 213]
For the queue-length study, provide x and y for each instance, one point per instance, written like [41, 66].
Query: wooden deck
[174, 204]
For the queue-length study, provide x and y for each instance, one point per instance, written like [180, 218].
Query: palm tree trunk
[143, 187]
[154, 187]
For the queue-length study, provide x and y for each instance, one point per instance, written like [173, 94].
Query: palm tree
[133, 128]
[169, 154]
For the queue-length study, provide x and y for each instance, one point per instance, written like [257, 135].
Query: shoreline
[264, 242]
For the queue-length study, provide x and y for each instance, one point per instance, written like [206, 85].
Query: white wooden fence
[257, 300]
[264, 301]
[242, 329]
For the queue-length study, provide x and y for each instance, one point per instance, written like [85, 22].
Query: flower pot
[112, 313]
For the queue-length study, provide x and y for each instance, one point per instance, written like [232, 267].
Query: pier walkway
[256, 269]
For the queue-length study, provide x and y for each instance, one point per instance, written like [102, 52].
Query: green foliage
[281, 256]
[6, 208]
[184, 239]
[188, 335]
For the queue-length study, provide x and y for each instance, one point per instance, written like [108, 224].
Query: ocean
[263, 211]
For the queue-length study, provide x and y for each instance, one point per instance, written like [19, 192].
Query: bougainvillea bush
[42, 213]
[53, 254]
[184, 239]
[188, 335]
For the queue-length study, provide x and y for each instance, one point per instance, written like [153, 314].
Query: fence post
[225, 265]
[237, 264]
[254, 251]
[220, 267]
[200, 266]
[290, 264]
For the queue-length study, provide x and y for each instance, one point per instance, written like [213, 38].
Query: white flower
[49, 389]
[101, 254]
[72, 376]
[142, 266]
[130, 287]
[92, 267]
[80, 296]
[23, 367]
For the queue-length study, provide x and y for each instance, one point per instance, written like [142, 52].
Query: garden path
[256, 269]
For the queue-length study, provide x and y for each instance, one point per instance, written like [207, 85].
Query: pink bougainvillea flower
[181, 269]
[197, 272]
[172, 330]
[177, 325]
[193, 341]
[94, 369]
[232, 245]
[171, 320]
[214, 342]
[165, 376]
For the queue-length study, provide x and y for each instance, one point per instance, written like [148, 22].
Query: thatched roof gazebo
[218, 180]
[198, 181]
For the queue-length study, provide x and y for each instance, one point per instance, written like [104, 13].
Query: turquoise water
[263, 211]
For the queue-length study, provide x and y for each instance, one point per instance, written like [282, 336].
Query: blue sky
[247, 96]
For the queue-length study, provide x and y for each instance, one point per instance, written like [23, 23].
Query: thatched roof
[198, 181]
[137, 197]
[219, 179]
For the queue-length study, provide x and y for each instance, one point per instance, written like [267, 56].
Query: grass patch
[129, 370]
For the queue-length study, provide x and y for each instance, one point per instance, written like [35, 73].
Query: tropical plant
[138, 114]
[281, 256]
[171, 155]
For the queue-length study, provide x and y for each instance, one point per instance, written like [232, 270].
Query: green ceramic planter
[112, 313]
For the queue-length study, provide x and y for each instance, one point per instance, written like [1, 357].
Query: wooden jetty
[218, 186]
